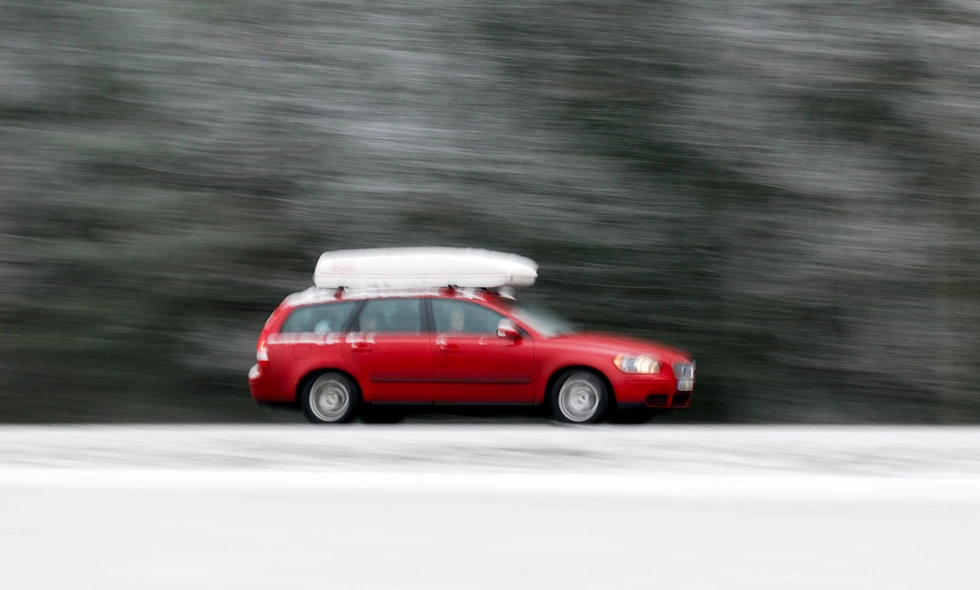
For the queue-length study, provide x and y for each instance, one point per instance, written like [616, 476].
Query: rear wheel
[580, 397]
[330, 398]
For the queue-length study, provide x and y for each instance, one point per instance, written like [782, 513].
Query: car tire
[330, 398]
[579, 397]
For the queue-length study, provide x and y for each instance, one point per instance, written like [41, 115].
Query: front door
[390, 353]
[472, 364]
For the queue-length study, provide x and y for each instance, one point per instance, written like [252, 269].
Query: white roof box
[423, 267]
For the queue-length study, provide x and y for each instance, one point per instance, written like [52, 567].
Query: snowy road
[530, 506]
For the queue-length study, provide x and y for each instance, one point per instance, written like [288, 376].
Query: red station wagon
[340, 352]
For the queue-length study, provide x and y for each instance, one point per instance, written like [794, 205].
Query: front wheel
[580, 397]
[330, 398]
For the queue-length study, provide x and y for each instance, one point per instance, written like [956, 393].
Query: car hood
[616, 343]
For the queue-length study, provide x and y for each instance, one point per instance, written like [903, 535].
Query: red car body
[428, 363]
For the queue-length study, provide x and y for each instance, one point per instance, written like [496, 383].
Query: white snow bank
[922, 452]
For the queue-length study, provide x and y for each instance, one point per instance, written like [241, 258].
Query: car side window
[319, 319]
[390, 316]
[464, 318]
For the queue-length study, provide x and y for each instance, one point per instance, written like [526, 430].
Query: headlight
[637, 363]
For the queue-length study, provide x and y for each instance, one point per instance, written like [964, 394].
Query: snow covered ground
[480, 506]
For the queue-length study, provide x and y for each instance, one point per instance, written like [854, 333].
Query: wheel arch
[562, 371]
[313, 374]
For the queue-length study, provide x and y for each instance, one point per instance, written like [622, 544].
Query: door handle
[448, 347]
[361, 346]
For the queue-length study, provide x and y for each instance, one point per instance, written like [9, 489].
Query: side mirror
[507, 329]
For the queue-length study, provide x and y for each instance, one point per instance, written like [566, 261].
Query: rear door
[309, 339]
[474, 365]
[389, 351]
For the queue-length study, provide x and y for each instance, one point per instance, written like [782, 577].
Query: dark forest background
[788, 189]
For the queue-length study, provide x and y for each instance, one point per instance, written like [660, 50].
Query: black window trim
[354, 316]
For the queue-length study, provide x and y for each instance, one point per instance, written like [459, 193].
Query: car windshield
[542, 320]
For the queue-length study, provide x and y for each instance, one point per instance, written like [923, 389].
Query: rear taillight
[262, 352]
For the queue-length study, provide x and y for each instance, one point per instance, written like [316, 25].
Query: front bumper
[656, 391]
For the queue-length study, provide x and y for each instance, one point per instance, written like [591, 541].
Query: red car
[339, 351]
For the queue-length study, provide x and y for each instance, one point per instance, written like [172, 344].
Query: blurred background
[787, 189]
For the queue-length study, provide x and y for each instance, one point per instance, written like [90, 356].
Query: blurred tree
[783, 188]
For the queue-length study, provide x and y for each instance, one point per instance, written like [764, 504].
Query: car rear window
[319, 319]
